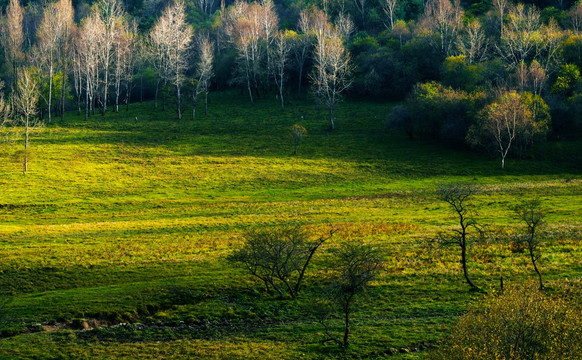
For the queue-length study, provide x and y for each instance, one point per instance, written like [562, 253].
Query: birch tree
[110, 13]
[13, 37]
[64, 47]
[280, 57]
[48, 38]
[503, 121]
[25, 102]
[88, 57]
[171, 38]
[444, 19]
[472, 43]
[245, 32]
[389, 7]
[331, 71]
[205, 69]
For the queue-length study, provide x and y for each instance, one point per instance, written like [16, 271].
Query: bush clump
[520, 324]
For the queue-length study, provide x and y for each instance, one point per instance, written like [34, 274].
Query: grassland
[128, 218]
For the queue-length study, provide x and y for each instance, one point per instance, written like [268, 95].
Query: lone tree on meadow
[531, 213]
[279, 257]
[356, 266]
[26, 105]
[459, 199]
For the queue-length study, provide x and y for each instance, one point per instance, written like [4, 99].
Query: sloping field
[128, 218]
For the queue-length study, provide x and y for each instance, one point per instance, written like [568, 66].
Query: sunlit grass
[130, 221]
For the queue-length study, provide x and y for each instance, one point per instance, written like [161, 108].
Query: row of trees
[103, 57]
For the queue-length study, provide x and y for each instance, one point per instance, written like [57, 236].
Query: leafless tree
[531, 213]
[345, 26]
[389, 7]
[473, 42]
[500, 8]
[48, 34]
[87, 50]
[123, 48]
[531, 78]
[25, 102]
[361, 7]
[171, 38]
[65, 44]
[13, 37]
[270, 22]
[280, 58]
[459, 199]
[331, 71]
[206, 6]
[204, 70]
[110, 13]
[302, 43]
[576, 17]
[246, 31]
[444, 19]
[519, 39]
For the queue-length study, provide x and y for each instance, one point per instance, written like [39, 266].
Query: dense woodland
[494, 76]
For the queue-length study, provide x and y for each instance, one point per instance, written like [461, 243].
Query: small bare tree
[357, 265]
[531, 213]
[26, 105]
[279, 257]
[459, 199]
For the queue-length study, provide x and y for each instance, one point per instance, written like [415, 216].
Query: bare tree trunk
[533, 261]
[63, 92]
[127, 95]
[464, 263]
[179, 100]
[300, 78]
[106, 86]
[331, 117]
[25, 165]
[347, 329]
[206, 103]
[87, 98]
[250, 90]
[50, 95]
[141, 87]
[156, 94]
[281, 95]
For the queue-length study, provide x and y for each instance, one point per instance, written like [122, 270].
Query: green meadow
[128, 218]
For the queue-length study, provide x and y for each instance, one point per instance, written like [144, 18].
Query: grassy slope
[120, 220]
